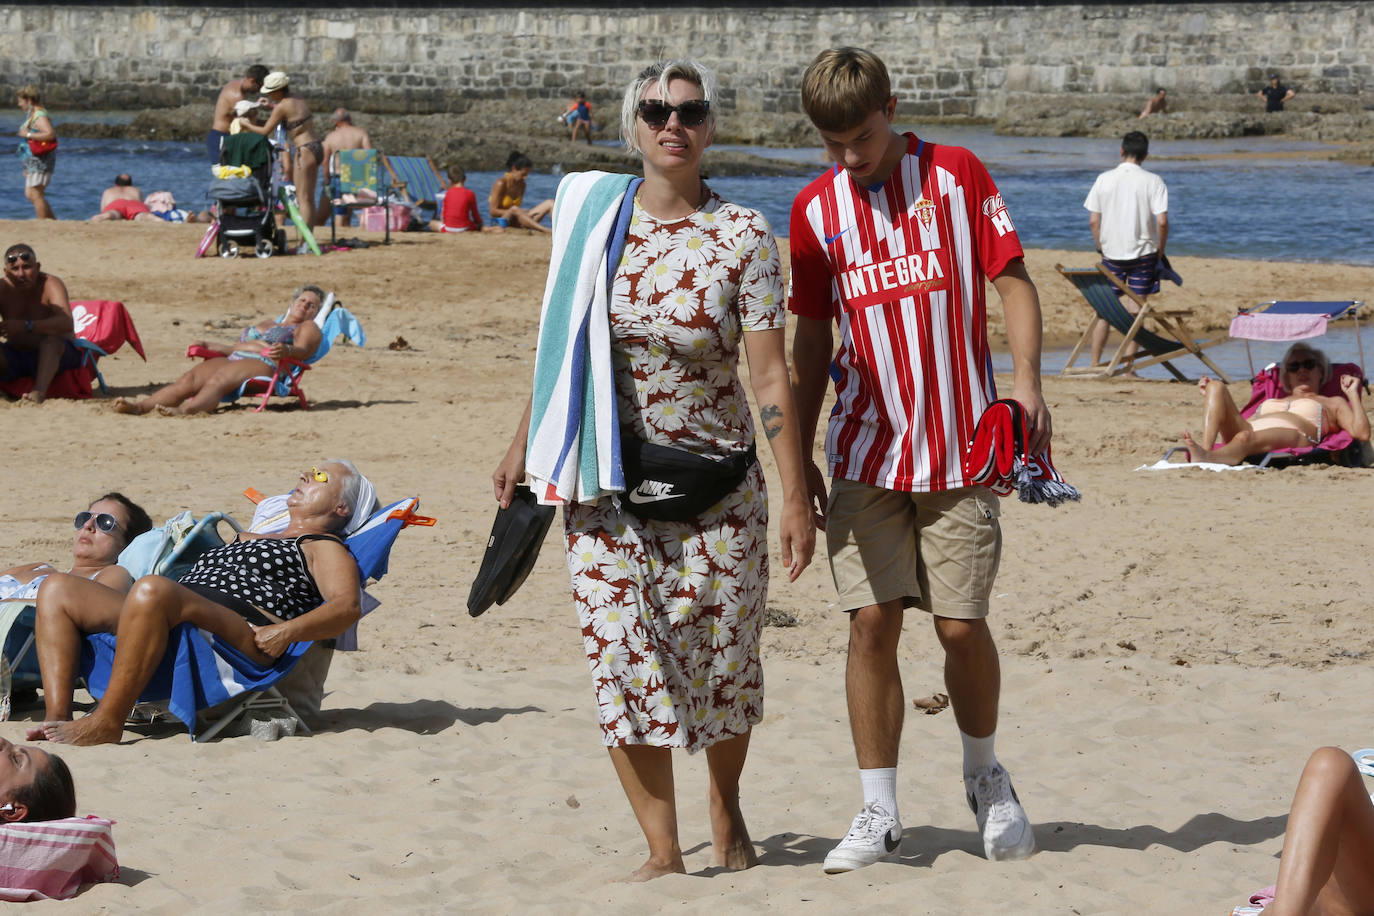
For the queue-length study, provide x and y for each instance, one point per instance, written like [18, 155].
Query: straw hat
[275, 80]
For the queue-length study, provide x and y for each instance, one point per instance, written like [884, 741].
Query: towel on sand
[997, 458]
[52, 859]
[574, 439]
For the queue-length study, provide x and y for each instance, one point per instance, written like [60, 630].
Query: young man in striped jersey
[894, 245]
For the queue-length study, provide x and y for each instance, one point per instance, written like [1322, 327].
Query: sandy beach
[1173, 646]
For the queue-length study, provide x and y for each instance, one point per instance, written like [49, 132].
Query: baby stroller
[243, 205]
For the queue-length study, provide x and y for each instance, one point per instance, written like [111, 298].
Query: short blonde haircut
[843, 86]
[1299, 349]
[663, 73]
[29, 93]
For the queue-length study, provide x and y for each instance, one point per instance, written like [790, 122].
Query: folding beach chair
[333, 320]
[101, 327]
[417, 180]
[1100, 288]
[200, 672]
[358, 170]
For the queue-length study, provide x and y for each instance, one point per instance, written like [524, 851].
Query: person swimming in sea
[1301, 418]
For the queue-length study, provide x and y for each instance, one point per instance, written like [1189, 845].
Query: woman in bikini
[259, 593]
[295, 336]
[509, 192]
[292, 113]
[1302, 417]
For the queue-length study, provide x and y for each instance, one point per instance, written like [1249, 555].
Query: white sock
[977, 752]
[880, 788]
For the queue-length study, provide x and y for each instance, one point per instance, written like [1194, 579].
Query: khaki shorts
[935, 551]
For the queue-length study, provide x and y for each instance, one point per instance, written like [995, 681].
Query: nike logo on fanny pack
[830, 239]
[652, 491]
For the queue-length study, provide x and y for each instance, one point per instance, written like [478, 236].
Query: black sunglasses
[25, 256]
[656, 113]
[1297, 364]
[104, 521]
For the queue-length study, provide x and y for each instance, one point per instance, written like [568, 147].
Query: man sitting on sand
[123, 200]
[35, 323]
[234, 91]
[1158, 104]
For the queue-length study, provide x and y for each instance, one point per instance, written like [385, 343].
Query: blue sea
[1223, 201]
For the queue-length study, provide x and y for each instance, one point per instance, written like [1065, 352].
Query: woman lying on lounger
[102, 531]
[1302, 417]
[201, 389]
[260, 593]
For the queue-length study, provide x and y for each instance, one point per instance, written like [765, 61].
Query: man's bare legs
[50, 350]
[646, 775]
[873, 684]
[153, 607]
[973, 674]
[730, 845]
[69, 607]
[1329, 844]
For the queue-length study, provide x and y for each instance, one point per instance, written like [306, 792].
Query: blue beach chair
[200, 671]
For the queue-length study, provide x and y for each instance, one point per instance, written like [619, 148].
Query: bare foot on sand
[1195, 451]
[169, 411]
[33, 397]
[730, 844]
[124, 405]
[652, 869]
[90, 730]
[41, 732]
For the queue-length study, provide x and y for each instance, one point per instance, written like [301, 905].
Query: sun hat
[274, 81]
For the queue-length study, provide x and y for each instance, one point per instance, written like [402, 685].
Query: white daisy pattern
[671, 612]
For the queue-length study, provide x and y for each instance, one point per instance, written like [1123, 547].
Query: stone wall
[945, 59]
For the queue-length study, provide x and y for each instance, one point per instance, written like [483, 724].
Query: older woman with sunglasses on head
[671, 611]
[260, 593]
[102, 532]
[200, 390]
[1301, 418]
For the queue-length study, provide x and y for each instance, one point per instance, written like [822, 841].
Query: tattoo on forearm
[772, 419]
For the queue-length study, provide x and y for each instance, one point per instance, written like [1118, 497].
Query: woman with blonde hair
[39, 150]
[671, 611]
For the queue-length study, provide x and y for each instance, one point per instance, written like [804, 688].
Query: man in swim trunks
[122, 200]
[234, 91]
[35, 323]
[1128, 212]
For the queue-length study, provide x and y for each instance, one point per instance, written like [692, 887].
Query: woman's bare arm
[336, 574]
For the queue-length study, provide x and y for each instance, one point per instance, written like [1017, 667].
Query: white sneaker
[874, 835]
[1005, 828]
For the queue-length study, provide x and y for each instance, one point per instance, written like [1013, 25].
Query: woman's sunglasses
[104, 521]
[24, 256]
[1308, 364]
[321, 476]
[689, 114]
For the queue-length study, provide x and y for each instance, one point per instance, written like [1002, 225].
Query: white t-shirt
[1129, 198]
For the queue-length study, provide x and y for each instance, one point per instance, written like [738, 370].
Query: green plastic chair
[354, 170]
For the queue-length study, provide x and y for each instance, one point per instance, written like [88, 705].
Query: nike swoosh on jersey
[639, 497]
[830, 239]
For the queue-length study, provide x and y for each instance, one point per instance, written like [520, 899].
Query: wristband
[28, 325]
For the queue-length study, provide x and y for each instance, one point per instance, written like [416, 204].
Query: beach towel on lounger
[53, 859]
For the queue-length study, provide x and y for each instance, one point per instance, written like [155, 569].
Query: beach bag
[171, 549]
[376, 219]
[512, 547]
[42, 147]
[673, 485]
[52, 859]
[233, 190]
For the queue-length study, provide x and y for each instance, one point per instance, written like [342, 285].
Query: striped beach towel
[52, 859]
[573, 451]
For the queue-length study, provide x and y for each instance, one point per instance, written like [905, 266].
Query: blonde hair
[843, 86]
[1298, 348]
[662, 73]
[29, 93]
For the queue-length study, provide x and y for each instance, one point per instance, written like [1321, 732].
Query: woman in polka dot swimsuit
[260, 593]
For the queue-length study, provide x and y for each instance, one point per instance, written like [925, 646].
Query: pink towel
[54, 858]
[1277, 327]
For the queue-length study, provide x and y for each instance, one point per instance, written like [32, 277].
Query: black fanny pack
[672, 485]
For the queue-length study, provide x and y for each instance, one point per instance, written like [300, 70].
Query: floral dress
[671, 612]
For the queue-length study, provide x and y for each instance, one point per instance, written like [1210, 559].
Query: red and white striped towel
[55, 858]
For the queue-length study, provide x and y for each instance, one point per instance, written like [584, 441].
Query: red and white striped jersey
[902, 269]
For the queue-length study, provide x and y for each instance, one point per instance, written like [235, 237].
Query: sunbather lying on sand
[260, 593]
[1327, 866]
[201, 389]
[34, 786]
[1303, 417]
[102, 531]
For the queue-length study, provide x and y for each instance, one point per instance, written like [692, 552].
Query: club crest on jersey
[924, 210]
[895, 278]
[996, 211]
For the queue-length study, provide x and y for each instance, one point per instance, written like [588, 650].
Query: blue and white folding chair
[201, 671]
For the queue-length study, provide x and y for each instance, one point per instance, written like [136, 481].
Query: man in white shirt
[1128, 211]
